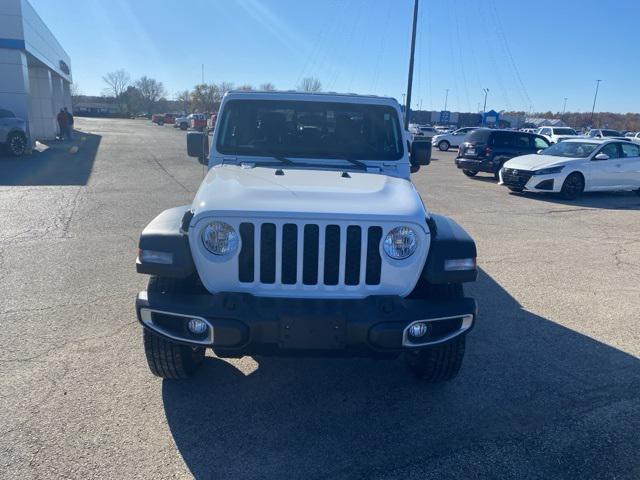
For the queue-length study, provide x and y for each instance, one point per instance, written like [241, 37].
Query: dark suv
[486, 150]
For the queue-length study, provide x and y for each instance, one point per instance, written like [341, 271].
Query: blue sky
[529, 54]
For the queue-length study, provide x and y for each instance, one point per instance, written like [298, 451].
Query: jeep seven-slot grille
[303, 249]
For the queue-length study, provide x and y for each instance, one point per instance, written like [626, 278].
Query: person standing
[63, 123]
[69, 123]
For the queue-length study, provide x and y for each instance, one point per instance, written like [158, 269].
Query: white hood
[535, 162]
[258, 191]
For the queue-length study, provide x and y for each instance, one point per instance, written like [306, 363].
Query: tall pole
[486, 91]
[564, 106]
[595, 97]
[203, 73]
[446, 99]
[407, 107]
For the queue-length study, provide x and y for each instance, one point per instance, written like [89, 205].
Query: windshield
[571, 149]
[310, 129]
[564, 131]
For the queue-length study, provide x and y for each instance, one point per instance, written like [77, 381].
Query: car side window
[630, 150]
[540, 143]
[500, 139]
[522, 141]
[611, 150]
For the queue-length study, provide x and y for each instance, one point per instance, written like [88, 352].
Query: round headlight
[400, 243]
[220, 238]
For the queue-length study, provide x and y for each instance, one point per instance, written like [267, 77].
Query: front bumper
[528, 182]
[476, 165]
[242, 324]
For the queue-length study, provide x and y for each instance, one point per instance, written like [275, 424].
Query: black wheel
[443, 146]
[516, 189]
[168, 359]
[183, 126]
[573, 186]
[470, 173]
[438, 363]
[17, 144]
[160, 123]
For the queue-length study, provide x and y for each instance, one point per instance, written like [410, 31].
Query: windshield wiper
[357, 163]
[282, 159]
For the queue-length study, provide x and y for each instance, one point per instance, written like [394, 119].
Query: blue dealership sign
[445, 117]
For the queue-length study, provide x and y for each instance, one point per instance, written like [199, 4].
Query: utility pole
[411, 57]
[564, 106]
[595, 97]
[486, 92]
[446, 98]
[203, 73]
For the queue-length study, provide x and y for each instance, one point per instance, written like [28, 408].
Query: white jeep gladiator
[306, 237]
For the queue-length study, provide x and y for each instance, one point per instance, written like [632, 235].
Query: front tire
[166, 358]
[438, 363]
[470, 173]
[443, 146]
[17, 144]
[573, 186]
[183, 126]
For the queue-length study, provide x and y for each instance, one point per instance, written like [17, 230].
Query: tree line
[148, 95]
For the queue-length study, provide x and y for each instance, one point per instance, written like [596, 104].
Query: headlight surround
[548, 171]
[400, 243]
[220, 238]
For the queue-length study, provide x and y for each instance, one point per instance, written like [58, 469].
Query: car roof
[591, 140]
[310, 96]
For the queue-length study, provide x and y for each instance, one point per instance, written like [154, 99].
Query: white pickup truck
[306, 237]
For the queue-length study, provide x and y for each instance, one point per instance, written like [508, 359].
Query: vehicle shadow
[55, 163]
[601, 200]
[534, 399]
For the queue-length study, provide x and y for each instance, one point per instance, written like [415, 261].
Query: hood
[258, 191]
[535, 162]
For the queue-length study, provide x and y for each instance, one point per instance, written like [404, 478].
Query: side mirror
[601, 156]
[198, 145]
[420, 154]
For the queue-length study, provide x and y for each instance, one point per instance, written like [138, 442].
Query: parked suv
[486, 150]
[13, 133]
[557, 134]
[306, 237]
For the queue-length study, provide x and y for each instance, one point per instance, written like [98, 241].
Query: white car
[557, 134]
[575, 166]
[305, 243]
[423, 132]
[604, 133]
[454, 139]
[181, 122]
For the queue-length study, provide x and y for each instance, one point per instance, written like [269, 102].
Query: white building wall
[41, 117]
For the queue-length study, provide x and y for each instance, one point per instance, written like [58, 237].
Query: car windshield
[564, 131]
[571, 149]
[310, 129]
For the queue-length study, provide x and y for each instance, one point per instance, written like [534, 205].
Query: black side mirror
[198, 145]
[420, 154]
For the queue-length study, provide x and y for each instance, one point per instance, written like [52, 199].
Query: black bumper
[247, 325]
[477, 165]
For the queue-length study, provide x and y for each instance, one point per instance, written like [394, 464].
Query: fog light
[418, 330]
[197, 326]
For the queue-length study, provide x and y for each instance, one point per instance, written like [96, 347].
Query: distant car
[424, 132]
[13, 133]
[604, 133]
[631, 134]
[575, 166]
[486, 150]
[454, 139]
[635, 138]
[197, 121]
[181, 122]
[211, 122]
[557, 134]
[162, 118]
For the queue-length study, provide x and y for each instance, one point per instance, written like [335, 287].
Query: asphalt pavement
[550, 386]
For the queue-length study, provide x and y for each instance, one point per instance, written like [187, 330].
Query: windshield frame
[342, 156]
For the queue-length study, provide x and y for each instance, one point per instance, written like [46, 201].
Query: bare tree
[185, 98]
[246, 87]
[117, 83]
[267, 87]
[151, 91]
[205, 97]
[224, 87]
[310, 84]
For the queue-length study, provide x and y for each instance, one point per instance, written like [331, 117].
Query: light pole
[446, 99]
[564, 107]
[413, 51]
[595, 97]
[486, 92]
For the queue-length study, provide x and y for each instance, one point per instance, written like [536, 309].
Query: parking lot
[550, 386]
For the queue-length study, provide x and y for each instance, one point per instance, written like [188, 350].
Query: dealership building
[35, 71]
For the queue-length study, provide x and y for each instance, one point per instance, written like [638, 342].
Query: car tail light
[488, 151]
